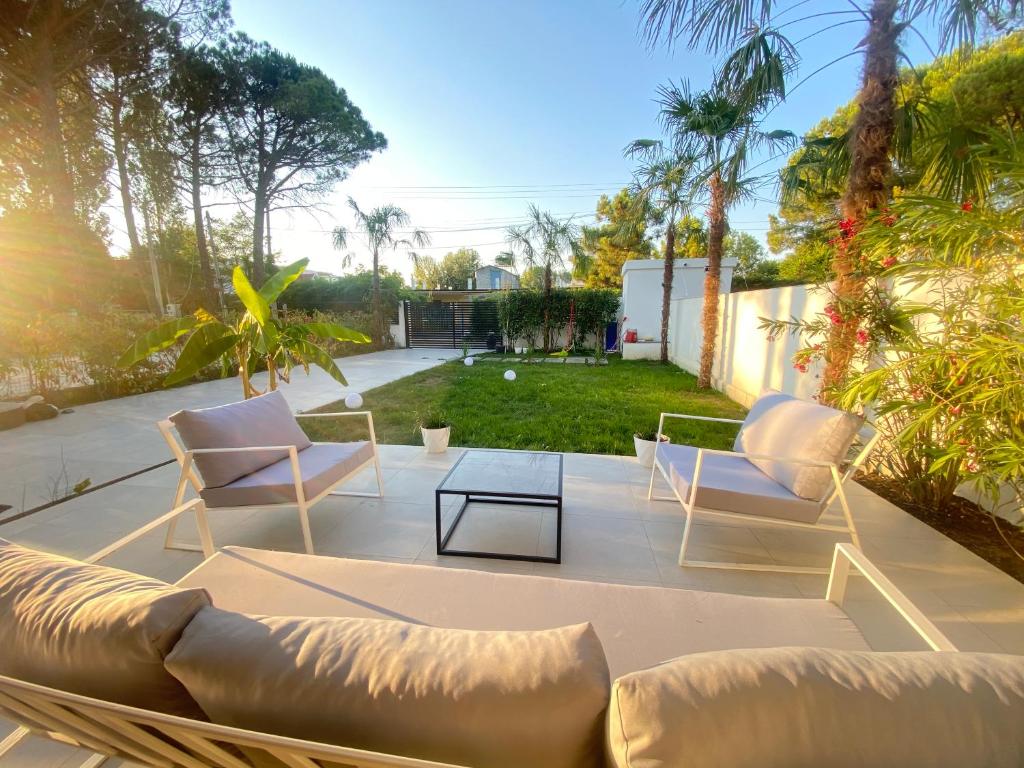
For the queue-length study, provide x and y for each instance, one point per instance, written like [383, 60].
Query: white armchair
[253, 454]
[789, 465]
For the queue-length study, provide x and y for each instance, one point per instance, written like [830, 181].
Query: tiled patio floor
[109, 439]
[611, 533]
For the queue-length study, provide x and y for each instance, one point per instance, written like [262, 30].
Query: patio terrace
[611, 533]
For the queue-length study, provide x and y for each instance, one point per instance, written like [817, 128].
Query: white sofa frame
[188, 475]
[114, 730]
[836, 490]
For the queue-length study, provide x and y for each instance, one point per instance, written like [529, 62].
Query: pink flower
[862, 336]
[802, 367]
[968, 205]
[889, 261]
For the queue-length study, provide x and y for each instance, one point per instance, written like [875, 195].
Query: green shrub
[521, 314]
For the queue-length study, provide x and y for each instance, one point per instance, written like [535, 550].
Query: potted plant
[436, 431]
[646, 442]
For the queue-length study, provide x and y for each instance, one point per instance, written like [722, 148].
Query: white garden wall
[745, 361]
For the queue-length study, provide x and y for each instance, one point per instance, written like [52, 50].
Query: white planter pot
[645, 450]
[436, 440]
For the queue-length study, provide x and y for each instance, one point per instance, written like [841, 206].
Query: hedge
[521, 314]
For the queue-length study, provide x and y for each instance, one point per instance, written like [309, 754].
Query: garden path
[101, 441]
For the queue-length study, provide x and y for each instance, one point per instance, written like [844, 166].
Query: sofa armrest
[367, 414]
[194, 451]
[846, 557]
[195, 505]
[765, 457]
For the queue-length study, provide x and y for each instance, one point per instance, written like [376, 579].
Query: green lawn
[571, 408]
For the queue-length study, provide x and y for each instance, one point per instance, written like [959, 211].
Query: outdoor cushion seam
[622, 725]
[202, 594]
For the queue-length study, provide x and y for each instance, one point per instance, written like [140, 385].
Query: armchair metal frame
[839, 478]
[188, 476]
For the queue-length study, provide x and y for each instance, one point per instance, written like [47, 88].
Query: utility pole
[153, 271]
[216, 265]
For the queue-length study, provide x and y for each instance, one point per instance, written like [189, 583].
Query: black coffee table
[520, 478]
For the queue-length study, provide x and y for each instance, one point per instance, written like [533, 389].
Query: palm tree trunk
[666, 284]
[378, 317]
[547, 307]
[712, 280]
[869, 185]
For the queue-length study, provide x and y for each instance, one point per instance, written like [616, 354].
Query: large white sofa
[269, 658]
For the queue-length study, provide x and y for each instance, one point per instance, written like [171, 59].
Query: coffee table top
[516, 473]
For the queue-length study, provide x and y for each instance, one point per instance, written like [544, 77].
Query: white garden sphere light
[353, 400]
[510, 375]
[469, 361]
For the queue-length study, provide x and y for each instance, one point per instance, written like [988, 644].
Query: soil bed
[962, 521]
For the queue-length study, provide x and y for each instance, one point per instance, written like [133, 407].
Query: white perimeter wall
[641, 290]
[745, 361]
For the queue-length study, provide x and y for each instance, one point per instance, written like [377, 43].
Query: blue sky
[490, 105]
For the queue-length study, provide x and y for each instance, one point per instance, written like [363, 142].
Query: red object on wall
[630, 336]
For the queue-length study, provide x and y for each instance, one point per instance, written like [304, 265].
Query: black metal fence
[447, 324]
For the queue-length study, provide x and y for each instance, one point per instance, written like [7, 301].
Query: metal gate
[445, 324]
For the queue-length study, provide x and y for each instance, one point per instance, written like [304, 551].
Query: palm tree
[721, 24]
[663, 187]
[720, 126]
[545, 241]
[381, 227]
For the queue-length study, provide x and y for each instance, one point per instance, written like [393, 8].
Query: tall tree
[453, 271]
[619, 235]
[720, 126]
[198, 93]
[664, 183]
[755, 24]
[382, 228]
[133, 118]
[293, 133]
[48, 53]
[546, 241]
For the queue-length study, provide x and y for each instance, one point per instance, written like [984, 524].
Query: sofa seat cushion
[638, 626]
[733, 484]
[811, 707]
[458, 696]
[92, 630]
[321, 465]
[263, 420]
[781, 425]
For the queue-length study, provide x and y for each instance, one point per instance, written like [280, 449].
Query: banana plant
[256, 339]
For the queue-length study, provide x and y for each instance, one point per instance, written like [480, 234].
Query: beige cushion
[781, 425]
[733, 484]
[810, 707]
[92, 630]
[263, 420]
[638, 626]
[321, 465]
[472, 698]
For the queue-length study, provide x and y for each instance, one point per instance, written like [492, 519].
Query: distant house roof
[495, 266]
[311, 273]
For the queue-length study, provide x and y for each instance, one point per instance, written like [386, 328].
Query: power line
[523, 187]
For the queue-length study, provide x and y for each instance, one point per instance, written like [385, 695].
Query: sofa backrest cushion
[784, 426]
[92, 630]
[811, 707]
[263, 420]
[458, 696]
